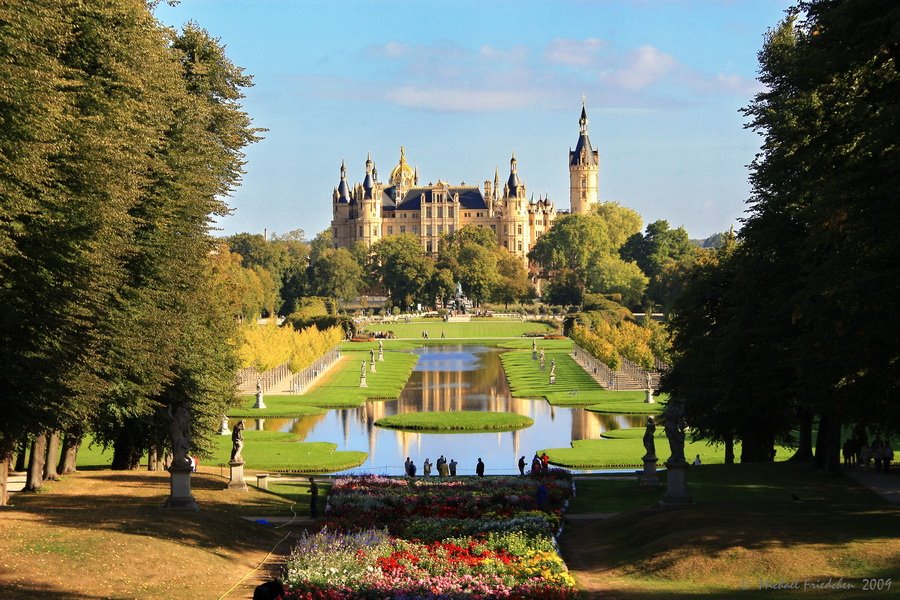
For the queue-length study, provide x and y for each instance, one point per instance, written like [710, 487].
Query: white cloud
[643, 66]
[447, 76]
[458, 100]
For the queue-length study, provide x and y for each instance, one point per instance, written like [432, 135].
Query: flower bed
[447, 539]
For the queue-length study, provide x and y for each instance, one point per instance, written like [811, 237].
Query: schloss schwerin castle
[372, 210]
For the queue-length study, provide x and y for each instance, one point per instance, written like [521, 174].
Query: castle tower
[513, 233]
[341, 198]
[584, 170]
[402, 176]
[368, 224]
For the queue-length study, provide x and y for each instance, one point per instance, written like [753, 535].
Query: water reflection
[448, 378]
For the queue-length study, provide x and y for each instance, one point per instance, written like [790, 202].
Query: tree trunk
[828, 444]
[21, 455]
[126, 455]
[35, 479]
[68, 459]
[804, 451]
[5, 460]
[50, 473]
[729, 450]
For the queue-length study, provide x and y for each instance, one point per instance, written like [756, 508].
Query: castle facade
[371, 210]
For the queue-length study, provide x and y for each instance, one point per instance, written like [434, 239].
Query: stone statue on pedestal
[675, 428]
[180, 431]
[237, 442]
[649, 442]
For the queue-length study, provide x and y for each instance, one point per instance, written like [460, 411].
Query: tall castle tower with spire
[584, 170]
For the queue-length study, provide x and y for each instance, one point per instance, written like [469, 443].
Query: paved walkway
[886, 485]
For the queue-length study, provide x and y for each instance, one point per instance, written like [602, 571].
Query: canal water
[450, 378]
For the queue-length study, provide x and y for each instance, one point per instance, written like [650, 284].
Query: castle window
[450, 211]
[335, 233]
[428, 212]
[584, 182]
[468, 214]
[440, 212]
[506, 230]
[415, 229]
[519, 230]
[494, 228]
[403, 229]
[428, 247]
[478, 215]
[440, 230]
[520, 246]
[583, 194]
[390, 230]
[451, 228]
[375, 231]
[429, 230]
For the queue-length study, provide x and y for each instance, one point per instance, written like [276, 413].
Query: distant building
[369, 211]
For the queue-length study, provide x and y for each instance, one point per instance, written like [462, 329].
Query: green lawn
[456, 421]
[573, 387]
[782, 522]
[278, 451]
[478, 328]
[625, 448]
[339, 388]
[263, 451]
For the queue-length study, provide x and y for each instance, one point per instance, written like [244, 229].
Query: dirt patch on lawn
[105, 534]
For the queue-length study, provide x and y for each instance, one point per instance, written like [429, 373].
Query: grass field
[573, 387]
[625, 448]
[745, 529]
[478, 328]
[460, 421]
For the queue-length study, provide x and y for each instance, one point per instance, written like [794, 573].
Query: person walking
[522, 465]
[479, 468]
[313, 498]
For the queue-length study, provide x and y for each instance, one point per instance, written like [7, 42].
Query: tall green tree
[403, 269]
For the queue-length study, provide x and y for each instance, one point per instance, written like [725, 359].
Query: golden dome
[402, 174]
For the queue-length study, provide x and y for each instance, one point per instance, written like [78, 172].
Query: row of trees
[268, 346]
[120, 137]
[794, 325]
[601, 252]
[609, 341]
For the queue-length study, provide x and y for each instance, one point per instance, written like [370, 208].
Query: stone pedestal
[552, 379]
[362, 381]
[224, 430]
[180, 496]
[372, 367]
[676, 484]
[649, 398]
[534, 355]
[380, 355]
[262, 481]
[259, 401]
[542, 366]
[648, 477]
[237, 477]
[260, 424]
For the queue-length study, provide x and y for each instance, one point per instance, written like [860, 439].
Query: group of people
[444, 467]
[540, 464]
[858, 451]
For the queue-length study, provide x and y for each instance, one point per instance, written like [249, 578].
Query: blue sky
[464, 84]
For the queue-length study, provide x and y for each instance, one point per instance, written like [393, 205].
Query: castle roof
[469, 198]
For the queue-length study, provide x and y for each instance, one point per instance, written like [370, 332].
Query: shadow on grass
[752, 527]
[132, 503]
